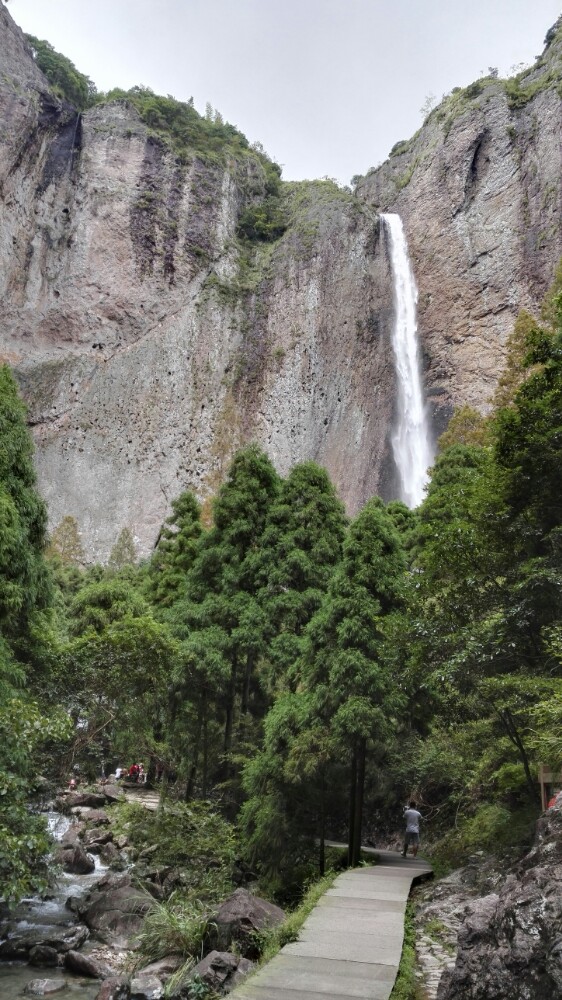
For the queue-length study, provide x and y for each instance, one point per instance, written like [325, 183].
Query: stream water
[411, 439]
[39, 916]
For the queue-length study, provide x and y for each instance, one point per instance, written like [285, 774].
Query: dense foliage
[303, 672]
[62, 74]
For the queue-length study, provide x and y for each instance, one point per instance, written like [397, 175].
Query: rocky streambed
[80, 939]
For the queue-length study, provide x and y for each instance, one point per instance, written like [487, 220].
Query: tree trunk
[508, 723]
[205, 775]
[189, 788]
[322, 852]
[247, 679]
[359, 796]
[229, 720]
[352, 794]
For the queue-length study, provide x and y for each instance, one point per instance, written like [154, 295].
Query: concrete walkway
[350, 945]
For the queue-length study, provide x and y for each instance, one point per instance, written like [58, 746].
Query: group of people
[135, 773]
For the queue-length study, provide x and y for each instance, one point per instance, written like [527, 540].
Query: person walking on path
[412, 818]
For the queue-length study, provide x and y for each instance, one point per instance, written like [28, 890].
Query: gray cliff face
[510, 942]
[148, 349]
[479, 190]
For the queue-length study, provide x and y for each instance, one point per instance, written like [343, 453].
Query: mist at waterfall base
[412, 446]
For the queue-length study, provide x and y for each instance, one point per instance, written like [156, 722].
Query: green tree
[62, 74]
[345, 664]
[175, 551]
[301, 545]
[221, 599]
[24, 581]
[65, 542]
[124, 552]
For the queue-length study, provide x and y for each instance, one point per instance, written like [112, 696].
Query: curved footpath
[351, 943]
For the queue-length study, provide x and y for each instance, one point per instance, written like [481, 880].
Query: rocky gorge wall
[149, 345]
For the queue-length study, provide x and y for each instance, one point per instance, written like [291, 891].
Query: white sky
[328, 86]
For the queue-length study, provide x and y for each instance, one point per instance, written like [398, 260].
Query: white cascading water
[411, 439]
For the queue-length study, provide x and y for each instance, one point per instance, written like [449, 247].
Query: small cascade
[411, 440]
[46, 919]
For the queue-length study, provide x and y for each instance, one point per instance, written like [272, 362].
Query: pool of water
[14, 977]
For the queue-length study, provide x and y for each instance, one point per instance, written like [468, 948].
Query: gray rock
[73, 835]
[75, 860]
[510, 942]
[43, 954]
[115, 909]
[85, 965]
[96, 837]
[239, 918]
[93, 817]
[114, 988]
[19, 940]
[44, 987]
[146, 988]
[93, 799]
[164, 968]
[220, 971]
[113, 793]
[109, 853]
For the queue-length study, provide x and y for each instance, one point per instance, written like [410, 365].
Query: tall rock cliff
[150, 342]
[479, 189]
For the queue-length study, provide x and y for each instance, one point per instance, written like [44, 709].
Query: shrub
[62, 74]
[176, 927]
[193, 838]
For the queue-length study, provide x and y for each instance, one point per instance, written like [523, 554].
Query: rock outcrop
[114, 909]
[479, 189]
[239, 920]
[149, 345]
[510, 942]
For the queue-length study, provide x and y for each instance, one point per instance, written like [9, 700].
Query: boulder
[20, 939]
[221, 971]
[93, 799]
[510, 943]
[44, 955]
[72, 836]
[44, 987]
[86, 965]
[113, 793]
[239, 918]
[94, 817]
[121, 841]
[76, 860]
[114, 988]
[146, 988]
[164, 968]
[109, 853]
[115, 908]
[95, 837]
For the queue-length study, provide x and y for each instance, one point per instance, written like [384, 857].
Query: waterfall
[411, 440]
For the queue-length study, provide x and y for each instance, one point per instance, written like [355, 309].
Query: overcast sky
[328, 86]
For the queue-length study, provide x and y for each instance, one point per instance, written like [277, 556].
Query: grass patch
[176, 927]
[407, 986]
[272, 941]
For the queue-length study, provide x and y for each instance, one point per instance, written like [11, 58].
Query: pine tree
[124, 552]
[65, 542]
[23, 518]
[175, 551]
[221, 602]
[344, 667]
[301, 545]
